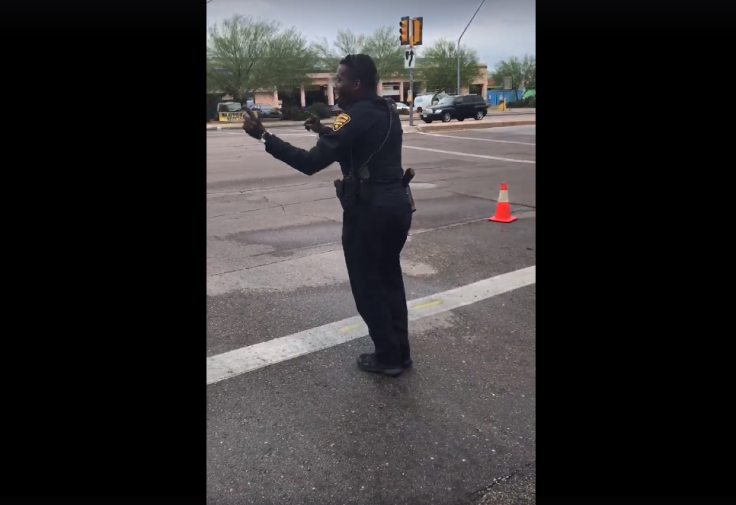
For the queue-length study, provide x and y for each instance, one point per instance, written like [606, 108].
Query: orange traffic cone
[503, 209]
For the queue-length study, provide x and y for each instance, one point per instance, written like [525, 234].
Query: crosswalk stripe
[246, 359]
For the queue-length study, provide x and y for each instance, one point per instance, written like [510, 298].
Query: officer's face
[346, 88]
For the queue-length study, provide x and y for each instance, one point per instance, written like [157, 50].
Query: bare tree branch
[382, 45]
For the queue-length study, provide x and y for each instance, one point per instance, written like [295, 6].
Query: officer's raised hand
[313, 123]
[252, 125]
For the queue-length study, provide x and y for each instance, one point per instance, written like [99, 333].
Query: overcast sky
[501, 29]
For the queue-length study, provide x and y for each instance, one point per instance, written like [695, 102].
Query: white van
[424, 101]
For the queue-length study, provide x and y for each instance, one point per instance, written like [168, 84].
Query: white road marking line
[246, 359]
[517, 130]
[476, 138]
[468, 154]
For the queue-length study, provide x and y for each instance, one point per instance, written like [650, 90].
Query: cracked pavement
[459, 428]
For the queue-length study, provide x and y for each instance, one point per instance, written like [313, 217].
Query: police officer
[366, 141]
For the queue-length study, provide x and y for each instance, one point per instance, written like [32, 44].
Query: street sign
[410, 60]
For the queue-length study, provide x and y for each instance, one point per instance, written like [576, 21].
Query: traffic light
[416, 31]
[404, 31]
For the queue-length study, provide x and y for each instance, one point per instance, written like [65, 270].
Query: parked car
[401, 106]
[229, 107]
[456, 107]
[266, 111]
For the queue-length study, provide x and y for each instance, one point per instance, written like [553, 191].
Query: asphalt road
[458, 428]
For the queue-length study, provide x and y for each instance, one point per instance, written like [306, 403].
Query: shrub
[321, 110]
[294, 114]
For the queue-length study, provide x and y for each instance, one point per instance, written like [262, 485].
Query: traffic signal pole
[410, 33]
[411, 90]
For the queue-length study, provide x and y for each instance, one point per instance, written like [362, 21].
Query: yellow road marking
[351, 327]
[428, 304]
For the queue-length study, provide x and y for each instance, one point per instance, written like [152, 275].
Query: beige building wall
[266, 97]
[396, 81]
[325, 79]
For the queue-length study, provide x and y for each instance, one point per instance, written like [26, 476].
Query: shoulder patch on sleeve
[340, 121]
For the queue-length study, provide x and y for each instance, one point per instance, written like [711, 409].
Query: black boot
[367, 363]
[405, 357]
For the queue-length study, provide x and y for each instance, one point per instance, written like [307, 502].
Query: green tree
[244, 55]
[382, 45]
[531, 75]
[438, 66]
[523, 73]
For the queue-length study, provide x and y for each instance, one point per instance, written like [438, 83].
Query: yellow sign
[340, 121]
[233, 117]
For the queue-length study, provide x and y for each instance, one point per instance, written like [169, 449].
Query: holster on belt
[347, 192]
[405, 180]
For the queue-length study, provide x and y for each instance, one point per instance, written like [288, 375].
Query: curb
[238, 126]
[408, 129]
[413, 129]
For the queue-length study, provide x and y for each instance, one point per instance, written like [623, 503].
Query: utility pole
[458, 46]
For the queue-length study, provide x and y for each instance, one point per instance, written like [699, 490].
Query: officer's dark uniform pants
[374, 233]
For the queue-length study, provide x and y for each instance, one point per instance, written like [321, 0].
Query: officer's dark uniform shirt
[359, 130]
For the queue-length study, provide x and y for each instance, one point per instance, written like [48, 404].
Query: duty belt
[369, 189]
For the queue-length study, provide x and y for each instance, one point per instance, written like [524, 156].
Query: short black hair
[362, 68]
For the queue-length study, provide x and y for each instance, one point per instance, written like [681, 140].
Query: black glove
[313, 123]
[252, 125]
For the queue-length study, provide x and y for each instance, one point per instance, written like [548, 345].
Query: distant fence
[494, 96]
